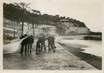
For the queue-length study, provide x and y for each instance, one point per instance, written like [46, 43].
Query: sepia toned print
[38, 35]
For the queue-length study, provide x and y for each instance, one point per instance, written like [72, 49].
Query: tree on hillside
[10, 14]
[18, 12]
[33, 18]
[23, 7]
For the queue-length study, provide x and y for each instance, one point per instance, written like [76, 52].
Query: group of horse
[26, 44]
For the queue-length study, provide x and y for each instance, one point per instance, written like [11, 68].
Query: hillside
[64, 25]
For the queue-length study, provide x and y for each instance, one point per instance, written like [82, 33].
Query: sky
[87, 11]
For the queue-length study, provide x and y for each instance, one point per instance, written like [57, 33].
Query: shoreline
[89, 58]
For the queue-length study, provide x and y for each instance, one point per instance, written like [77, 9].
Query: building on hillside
[73, 28]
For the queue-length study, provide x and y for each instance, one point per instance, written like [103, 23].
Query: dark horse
[26, 45]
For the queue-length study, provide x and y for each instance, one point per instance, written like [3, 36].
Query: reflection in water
[16, 61]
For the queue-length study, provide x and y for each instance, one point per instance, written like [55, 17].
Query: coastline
[89, 58]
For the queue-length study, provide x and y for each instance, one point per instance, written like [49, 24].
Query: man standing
[30, 43]
[43, 46]
[40, 46]
[51, 43]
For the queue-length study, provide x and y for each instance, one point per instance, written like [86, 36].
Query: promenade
[62, 59]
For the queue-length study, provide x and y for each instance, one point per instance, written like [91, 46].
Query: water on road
[60, 60]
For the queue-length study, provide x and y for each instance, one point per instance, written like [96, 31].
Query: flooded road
[60, 60]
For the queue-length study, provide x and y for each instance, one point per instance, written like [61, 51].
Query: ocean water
[90, 46]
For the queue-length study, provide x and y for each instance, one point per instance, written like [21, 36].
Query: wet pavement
[60, 60]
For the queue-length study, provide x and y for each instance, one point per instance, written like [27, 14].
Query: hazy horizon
[87, 11]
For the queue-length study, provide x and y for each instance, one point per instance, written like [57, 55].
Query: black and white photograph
[52, 35]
